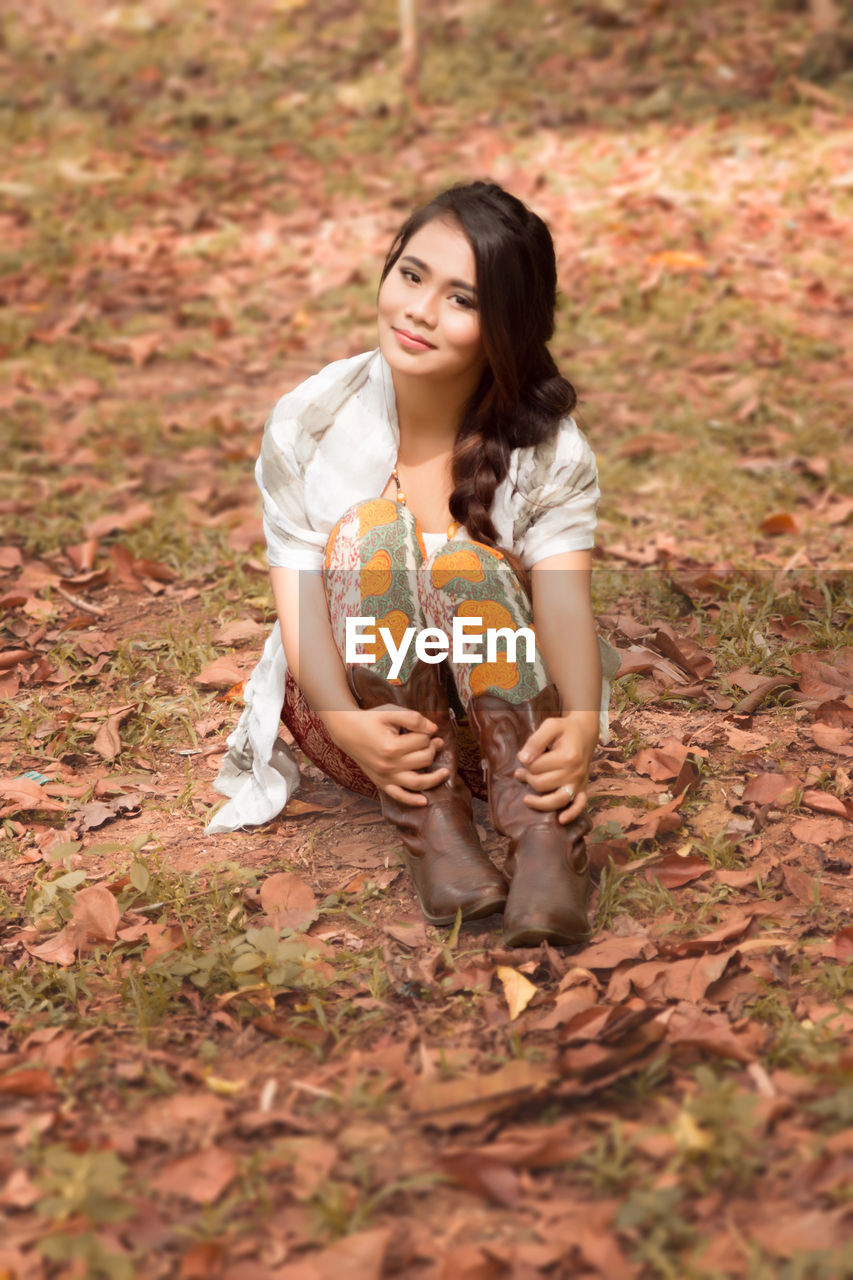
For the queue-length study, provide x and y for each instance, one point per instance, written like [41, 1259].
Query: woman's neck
[428, 415]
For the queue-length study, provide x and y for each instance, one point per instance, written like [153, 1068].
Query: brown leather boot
[442, 849]
[547, 866]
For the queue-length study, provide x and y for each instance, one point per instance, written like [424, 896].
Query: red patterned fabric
[311, 735]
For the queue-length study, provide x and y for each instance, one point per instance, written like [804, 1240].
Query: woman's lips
[411, 341]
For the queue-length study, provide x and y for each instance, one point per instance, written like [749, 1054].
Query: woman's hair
[521, 396]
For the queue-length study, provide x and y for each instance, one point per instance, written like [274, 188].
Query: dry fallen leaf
[202, 1177]
[411, 932]
[26, 1082]
[770, 788]
[519, 991]
[289, 901]
[95, 913]
[222, 673]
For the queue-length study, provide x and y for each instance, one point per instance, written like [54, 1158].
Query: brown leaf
[11, 657]
[734, 927]
[825, 802]
[711, 1033]
[567, 1005]
[182, 1117]
[361, 1255]
[535, 1146]
[309, 1161]
[779, 523]
[762, 690]
[659, 764]
[673, 980]
[770, 788]
[134, 514]
[289, 900]
[684, 652]
[819, 830]
[107, 741]
[83, 555]
[831, 737]
[26, 1082]
[599, 1060]
[827, 674]
[609, 951]
[673, 870]
[785, 1230]
[653, 442]
[410, 932]
[162, 938]
[240, 631]
[10, 558]
[19, 1192]
[24, 793]
[222, 673]
[61, 949]
[643, 824]
[95, 814]
[637, 660]
[482, 1093]
[95, 913]
[658, 821]
[203, 1261]
[603, 852]
[202, 1177]
[484, 1176]
[840, 947]
[835, 713]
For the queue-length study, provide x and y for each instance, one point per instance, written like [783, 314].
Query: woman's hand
[391, 744]
[558, 755]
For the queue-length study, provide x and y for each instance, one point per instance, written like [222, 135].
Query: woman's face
[429, 324]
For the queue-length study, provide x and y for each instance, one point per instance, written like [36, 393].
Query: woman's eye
[463, 300]
[408, 274]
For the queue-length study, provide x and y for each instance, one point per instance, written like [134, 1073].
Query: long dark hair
[521, 396]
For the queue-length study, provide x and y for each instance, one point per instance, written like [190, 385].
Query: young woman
[418, 499]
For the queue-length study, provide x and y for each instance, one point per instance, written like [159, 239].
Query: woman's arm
[559, 753]
[390, 743]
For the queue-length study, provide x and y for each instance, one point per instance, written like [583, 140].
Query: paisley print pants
[376, 566]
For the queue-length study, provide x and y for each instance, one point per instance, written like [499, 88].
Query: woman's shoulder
[327, 389]
[566, 453]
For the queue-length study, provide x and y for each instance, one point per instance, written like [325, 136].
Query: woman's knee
[357, 522]
[465, 561]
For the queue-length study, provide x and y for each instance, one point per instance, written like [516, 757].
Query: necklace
[452, 528]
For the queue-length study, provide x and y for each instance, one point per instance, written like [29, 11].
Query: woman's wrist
[586, 725]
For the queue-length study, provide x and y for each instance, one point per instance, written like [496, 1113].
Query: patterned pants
[376, 566]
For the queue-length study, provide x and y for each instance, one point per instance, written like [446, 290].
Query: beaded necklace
[452, 528]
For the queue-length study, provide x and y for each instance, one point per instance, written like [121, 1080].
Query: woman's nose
[423, 307]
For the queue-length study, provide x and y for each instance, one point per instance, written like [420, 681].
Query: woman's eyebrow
[422, 266]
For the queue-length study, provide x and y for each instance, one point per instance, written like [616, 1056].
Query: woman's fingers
[573, 810]
[406, 718]
[541, 782]
[540, 740]
[415, 799]
[557, 800]
[413, 760]
[408, 787]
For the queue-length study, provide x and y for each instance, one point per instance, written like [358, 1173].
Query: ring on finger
[570, 792]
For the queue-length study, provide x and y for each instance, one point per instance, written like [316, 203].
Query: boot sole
[532, 936]
[491, 907]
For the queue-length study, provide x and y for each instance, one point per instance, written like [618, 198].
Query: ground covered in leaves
[245, 1057]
